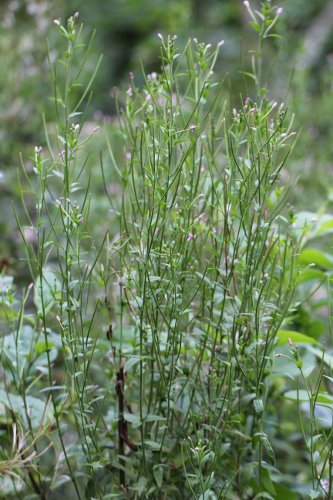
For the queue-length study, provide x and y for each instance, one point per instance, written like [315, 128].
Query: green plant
[144, 366]
[206, 270]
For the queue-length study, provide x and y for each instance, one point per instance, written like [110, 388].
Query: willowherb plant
[143, 367]
[206, 275]
[61, 258]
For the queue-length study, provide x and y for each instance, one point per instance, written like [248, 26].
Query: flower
[190, 237]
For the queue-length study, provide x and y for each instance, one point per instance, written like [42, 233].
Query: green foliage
[169, 335]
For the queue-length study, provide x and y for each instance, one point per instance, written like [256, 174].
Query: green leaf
[310, 274]
[41, 347]
[208, 457]
[11, 485]
[266, 481]
[268, 447]
[25, 347]
[153, 444]
[325, 227]
[296, 337]
[302, 396]
[130, 362]
[140, 486]
[283, 493]
[134, 420]
[153, 279]
[158, 474]
[60, 481]
[38, 410]
[314, 256]
[154, 418]
[325, 357]
[258, 406]
[255, 26]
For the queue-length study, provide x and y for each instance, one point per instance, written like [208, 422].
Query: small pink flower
[221, 42]
[290, 342]
[202, 168]
[202, 217]
[129, 91]
[247, 101]
[131, 75]
[279, 10]
[190, 237]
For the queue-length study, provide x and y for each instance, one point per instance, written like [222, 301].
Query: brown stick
[123, 437]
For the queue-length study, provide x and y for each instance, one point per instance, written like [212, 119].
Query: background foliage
[299, 70]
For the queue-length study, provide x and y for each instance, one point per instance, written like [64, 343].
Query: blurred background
[298, 70]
